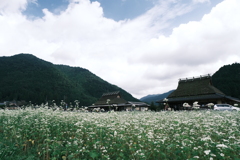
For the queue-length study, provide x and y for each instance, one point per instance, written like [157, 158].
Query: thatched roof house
[113, 97]
[114, 101]
[199, 89]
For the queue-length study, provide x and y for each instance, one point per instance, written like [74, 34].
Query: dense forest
[227, 79]
[26, 77]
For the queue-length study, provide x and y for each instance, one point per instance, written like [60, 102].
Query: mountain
[153, 98]
[227, 79]
[26, 77]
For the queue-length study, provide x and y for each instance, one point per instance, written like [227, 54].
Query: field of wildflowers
[60, 135]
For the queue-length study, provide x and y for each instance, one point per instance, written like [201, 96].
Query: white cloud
[198, 47]
[14, 6]
[133, 54]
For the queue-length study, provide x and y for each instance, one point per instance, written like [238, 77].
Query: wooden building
[198, 89]
[114, 101]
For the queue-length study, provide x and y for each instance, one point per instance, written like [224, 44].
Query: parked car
[223, 107]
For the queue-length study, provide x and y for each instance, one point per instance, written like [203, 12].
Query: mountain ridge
[26, 77]
[154, 97]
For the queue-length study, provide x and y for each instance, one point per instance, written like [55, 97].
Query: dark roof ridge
[111, 93]
[194, 78]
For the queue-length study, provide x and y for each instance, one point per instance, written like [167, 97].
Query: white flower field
[45, 134]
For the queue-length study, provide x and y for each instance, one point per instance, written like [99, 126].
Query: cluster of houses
[190, 91]
[196, 90]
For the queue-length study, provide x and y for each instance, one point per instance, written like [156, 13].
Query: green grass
[47, 134]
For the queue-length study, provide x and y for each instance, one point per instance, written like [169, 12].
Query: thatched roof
[200, 86]
[197, 89]
[114, 97]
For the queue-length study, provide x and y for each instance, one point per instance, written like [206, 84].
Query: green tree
[153, 107]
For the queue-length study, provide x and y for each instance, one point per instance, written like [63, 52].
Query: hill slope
[227, 79]
[26, 77]
[153, 98]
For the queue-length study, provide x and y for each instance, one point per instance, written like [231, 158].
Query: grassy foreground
[57, 135]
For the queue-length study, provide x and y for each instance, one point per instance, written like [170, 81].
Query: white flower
[186, 105]
[222, 146]
[213, 155]
[196, 105]
[207, 152]
[210, 104]
[206, 138]
[222, 154]
[108, 100]
[165, 99]
[196, 157]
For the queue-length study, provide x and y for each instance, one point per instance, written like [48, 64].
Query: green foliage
[25, 77]
[2, 106]
[46, 134]
[154, 107]
[227, 80]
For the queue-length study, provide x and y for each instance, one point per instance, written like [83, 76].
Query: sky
[142, 46]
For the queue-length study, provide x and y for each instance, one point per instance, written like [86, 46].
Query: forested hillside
[26, 77]
[156, 97]
[227, 79]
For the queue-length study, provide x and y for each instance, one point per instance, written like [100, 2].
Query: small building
[198, 89]
[114, 101]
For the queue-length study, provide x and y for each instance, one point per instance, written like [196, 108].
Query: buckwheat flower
[232, 137]
[213, 155]
[206, 138]
[222, 146]
[211, 158]
[222, 154]
[75, 142]
[207, 152]
[196, 157]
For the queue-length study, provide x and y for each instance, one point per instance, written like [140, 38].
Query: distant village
[191, 94]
